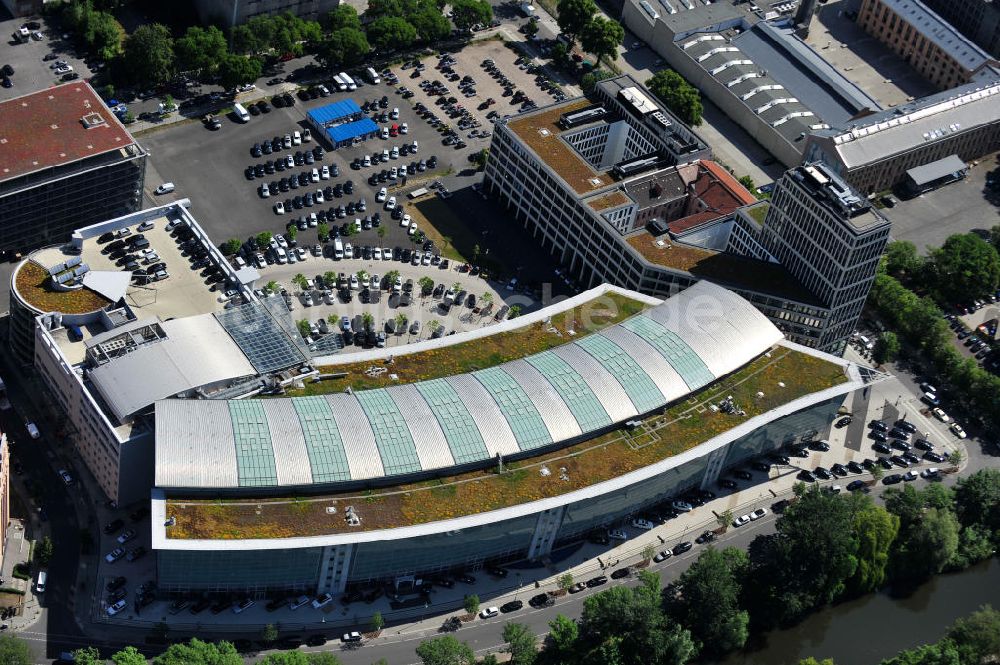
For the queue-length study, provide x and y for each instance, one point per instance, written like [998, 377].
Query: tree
[565, 581]
[977, 501]
[467, 13]
[269, 635]
[426, 283]
[87, 656]
[197, 652]
[520, 643]
[43, 551]
[323, 231]
[877, 472]
[128, 656]
[942, 653]
[430, 23]
[343, 16]
[368, 321]
[445, 650]
[344, 46]
[14, 651]
[724, 519]
[709, 602]
[590, 80]
[515, 311]
[574, 16]
[561, 642]
[876, 529]
[928, 545]
[628, 625]
[977, 636]
[263, 239]
[236, 70]
[964, 268]
[391, 33]
[303, 327]
[377, 623]
[292, 231]
[886, 348]
[902, 259]
[300, 281]
[602, 38]
[812, 661]
[273, 286]
[677, 94]
[285, 658]
[149, 54]
[231, 246]
[105, 35]
[200, 49]
[471, 603]
[401, 322]
[648, 552]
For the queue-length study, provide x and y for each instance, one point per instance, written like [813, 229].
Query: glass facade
[636, 382]
[522, 416]
[251, 571]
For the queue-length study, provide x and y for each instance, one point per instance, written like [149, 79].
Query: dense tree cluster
[578, 21]
[682, 98]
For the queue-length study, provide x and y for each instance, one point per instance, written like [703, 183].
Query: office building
[66, 162]
[358, 462]
[874, 153]
[830, 238]
[933, 47]
[646, 223]
[979, 20]
[761, 73]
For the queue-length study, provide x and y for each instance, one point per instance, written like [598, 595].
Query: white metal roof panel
[195, 446]
[428, 437]
[660, 371]
[554, 412]
[613, 397]
[359, 439]
[497, 435]
[291, 459]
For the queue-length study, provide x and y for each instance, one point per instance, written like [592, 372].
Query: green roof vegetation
[784, 376]
[34, 285]
[759, 212]
[465, 357]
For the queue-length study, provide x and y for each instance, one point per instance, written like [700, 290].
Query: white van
[40, 584]
[165, 188]
[351, 85]
[340, 83]
[338, 249]
[280, 255]
[241, 112]
[373, 76]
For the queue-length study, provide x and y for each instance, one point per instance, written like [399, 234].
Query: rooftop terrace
[35, 287]
[782, 376]
[540, 132]
[721, 267]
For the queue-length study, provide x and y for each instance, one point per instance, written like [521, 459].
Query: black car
[885, 462]
[512, 606]
[761, 466]
[620, 573]
[932, 456]
[779, 458]
[906, 426]
[843, 422]
[806, 476]
[705, 537]
[838, 469]
[892, 479]
[878, 435]
[854, 467]
[596, 581]
[880, 447]
[263, 106]
[116, 595]
[115, 583]
[743, 475]
[923, 444]
[821, 472]
[315, 641]
[288, 99]
[681, 548]
[275, 604]
[878, 425]
[820, 445]
[900, 445]
[727, 483]
[497, 571]
[899, 461]
[200, 606]
[798, 451]
[466, 578]
[855, 485]
[911, 458]
[111, 527]
[542, 600]
[291, 642]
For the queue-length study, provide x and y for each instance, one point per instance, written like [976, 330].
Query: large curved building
[506, 462]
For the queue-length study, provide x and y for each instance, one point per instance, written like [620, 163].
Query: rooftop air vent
[92, 120]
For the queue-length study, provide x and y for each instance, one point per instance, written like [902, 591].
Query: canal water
[867, 630]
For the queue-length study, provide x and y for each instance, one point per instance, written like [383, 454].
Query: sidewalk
[17, 549]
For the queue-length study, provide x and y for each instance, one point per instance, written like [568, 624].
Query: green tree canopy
[520, 643]
[149, 54]
[445, 650]
[105, 35]
[977, 501]
[709, 603]
[291, 657]
[965, 267]
[682, 98]
[343, 16]
[200, 49]
[467, 13]
[561, 642]
[87, 656]
[391, 33]
[977, 637]
[197, 652]
[876, 530]
[928, 545]
[128, 656]
[44, 550]
[236, 70]
[812, 661]
[942, 653]
[343, 47]
[886, 347]
[430, 24]
[628, 625]
[602, 38]
[902, 259]
[14, 651]
[574, 15]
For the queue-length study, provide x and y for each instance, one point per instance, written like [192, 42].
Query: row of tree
[920, 322]
[965, 268]
[578, 22]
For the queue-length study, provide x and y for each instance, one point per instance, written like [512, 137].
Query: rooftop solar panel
[260, 337]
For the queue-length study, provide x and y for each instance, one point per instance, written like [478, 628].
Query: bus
[351, 85]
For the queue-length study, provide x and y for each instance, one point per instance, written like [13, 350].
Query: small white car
[116, 608]
[645, 525]
[279, 208]
[404, 221]
[296, 138]
[957, 430]
[322, 601]
[617, 534]
[489, 613]
[757, 514]
[32, 430]
[386, 254]
[353, 636]
[395, 113]
[403, 129]
[126, 535]
[114, 554]
[314, 175]
[265, 191]
[319, 196]
[394, 154]
[390, 204]
[412, 229]
[932, 472]
[66, 478]
[324, 173]
[941, 415]
[383, 193]
[741, 520]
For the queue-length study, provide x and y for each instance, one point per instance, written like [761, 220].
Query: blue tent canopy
[325, 115]
[349, 131]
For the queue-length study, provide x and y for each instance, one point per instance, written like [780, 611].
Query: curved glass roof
[555, 396]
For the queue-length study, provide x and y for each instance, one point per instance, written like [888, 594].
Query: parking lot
[31, 72]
